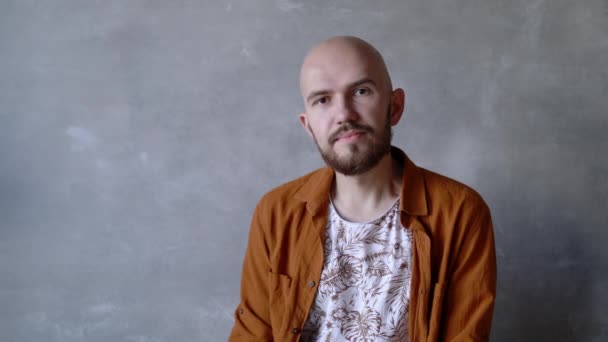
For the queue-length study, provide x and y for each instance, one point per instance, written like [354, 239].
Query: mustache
[349, 126]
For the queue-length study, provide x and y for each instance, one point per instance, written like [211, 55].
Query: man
[371, 248]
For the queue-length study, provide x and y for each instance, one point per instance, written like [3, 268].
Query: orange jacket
[453, 258]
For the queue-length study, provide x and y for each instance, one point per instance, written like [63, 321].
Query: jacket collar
[315, 191]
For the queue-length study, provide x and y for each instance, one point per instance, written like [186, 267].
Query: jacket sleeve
[252, 318]
[470, 293]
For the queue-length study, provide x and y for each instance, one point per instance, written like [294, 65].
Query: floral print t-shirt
[364, 290]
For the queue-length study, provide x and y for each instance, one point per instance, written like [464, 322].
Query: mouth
[349, 136]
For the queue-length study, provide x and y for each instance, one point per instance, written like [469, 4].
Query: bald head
[337, 55]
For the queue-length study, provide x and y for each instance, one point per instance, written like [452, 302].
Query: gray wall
[137, 136]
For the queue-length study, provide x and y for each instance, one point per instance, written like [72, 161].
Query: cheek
[319, 124]
[319, 132]
[375, 115]
[372, 107]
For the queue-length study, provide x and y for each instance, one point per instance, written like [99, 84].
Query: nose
[344, 110]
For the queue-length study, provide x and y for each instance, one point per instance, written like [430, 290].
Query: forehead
[336, 68]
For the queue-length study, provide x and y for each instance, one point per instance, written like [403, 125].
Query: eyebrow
[351, 85]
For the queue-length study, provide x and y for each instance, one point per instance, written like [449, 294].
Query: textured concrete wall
[137, 136]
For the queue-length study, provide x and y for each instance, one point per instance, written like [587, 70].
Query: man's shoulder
[286, 192]
[444, 190]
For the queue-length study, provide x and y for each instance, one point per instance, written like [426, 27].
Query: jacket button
[311, 283]
[295, 331]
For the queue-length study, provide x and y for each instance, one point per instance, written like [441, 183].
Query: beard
[361, 158]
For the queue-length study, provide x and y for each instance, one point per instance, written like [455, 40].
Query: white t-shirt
[364, 291]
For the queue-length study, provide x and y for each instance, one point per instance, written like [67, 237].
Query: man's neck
[364, 197]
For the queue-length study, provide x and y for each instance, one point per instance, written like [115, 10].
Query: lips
[349, 130]
[348, 135]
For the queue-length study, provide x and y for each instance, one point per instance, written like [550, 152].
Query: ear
[397, 105]
[304, 122]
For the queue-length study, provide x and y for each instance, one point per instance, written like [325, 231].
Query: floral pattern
[363, 292]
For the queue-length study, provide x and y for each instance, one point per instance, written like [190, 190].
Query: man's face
[348, 110]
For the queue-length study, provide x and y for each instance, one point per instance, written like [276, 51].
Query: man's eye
[362, 91]
[321, 100]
